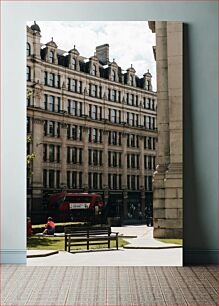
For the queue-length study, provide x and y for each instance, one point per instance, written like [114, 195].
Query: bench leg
[65, 243]
[69, 244]
[117, 242]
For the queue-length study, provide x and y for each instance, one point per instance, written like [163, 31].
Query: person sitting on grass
[49, 227]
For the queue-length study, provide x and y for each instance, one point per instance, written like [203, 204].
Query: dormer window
[131, 80]
[51, 57]
[73, 63]
[113, 76]
[148, 84]
[94, 70]
[28, 49]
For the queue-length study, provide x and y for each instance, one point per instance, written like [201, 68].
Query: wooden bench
[78, 236]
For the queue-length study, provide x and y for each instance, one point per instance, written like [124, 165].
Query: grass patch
[57, 243]
[56, 224]
[175, 241]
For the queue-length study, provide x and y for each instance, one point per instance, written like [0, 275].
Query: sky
[130, 42]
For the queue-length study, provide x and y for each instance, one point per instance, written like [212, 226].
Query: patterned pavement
[109, 286]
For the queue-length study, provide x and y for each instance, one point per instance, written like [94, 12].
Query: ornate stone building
[93, 127]
[168, 178]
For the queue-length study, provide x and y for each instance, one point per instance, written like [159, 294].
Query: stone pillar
[63, 136]
[174, 174]
[85, 160]
[167, 185]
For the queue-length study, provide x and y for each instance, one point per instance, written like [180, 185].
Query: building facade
[93, 127]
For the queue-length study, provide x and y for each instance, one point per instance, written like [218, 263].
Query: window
[52, 79]
[44, 178]
[79, 108]
[28, 101]
[109, 94]
[113, 115]
[51, 103]
[57, 81]
[119, 96]
[93, 70]
[73, 63]
[95, 180]
[28, 124]
[51, 179]
[113, 75]
[148, 84]
[51, 128]
[132, 99]
[51, 57]
[136, 101]
[58, 105]
[45, 77]
[28, 73]
[94, 112]
[133, 182]
[45, 102]
[73, 85]
[148, 183]
[152, 104]
[89, 135]
[80, 86]
[73, 108]
[58, 125]
[93, 90]
[28, 49]
[80, 180]
[131, 80]
[113, 97]
[51, 153]
[95, 135]
[58, 153]
[148, 103]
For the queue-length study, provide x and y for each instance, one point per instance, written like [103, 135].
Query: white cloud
[130, 41]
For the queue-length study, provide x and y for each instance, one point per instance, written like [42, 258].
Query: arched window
[51, 57]
[94, 70]
[28, 49]
[73, 63]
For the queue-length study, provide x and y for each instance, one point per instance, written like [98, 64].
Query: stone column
[167, 184]
[142, 174]
[174, 174]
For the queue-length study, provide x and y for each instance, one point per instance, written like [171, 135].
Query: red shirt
[50, 225]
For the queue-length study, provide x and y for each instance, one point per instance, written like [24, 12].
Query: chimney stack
[102, 53]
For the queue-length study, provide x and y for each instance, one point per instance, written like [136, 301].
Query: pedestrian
[29, 227]
[49, 227]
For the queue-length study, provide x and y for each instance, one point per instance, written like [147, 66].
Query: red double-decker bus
[78, 207]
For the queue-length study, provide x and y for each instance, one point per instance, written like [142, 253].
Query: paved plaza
[141, 251]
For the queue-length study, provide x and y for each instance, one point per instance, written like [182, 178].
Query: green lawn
[57, 243]
[175, 241]
[56, 224]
